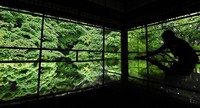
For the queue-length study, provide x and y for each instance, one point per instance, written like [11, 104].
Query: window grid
[41, 49]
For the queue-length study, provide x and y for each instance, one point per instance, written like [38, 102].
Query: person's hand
[140, 57]
[154, 62]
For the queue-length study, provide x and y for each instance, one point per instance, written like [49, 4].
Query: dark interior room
[99, 53]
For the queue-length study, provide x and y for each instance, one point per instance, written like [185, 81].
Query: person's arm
[159, 50]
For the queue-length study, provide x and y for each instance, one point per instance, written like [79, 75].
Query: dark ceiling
[111, 13]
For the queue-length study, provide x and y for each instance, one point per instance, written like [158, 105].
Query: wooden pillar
[124, 56]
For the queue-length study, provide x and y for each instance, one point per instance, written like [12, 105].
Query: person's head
[168, 35]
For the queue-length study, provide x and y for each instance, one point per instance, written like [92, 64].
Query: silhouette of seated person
[186, 56]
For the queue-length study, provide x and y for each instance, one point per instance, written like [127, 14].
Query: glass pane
[89, 55]
[137, 68]
[137, 40]
[56, 77]
[154, 37]
[137, 47]
[111, 77]
[72, 55]
[18, 54]
[112, 70]
[61, 34]
[113, 62]
[18, 80]
[90, 40]
[113, 65]
[83, 55]
[112, 41]
[54, 55]
[91, 72]
[95, 55]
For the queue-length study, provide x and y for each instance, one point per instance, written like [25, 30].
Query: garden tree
[18, 30]
[17, 80]
[65, 34]
[112, 41]
[22, 30]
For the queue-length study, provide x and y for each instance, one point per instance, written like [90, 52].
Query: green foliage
[17, 79]
[186, 28]
[23, 30]
[137, 40]
[113, 42]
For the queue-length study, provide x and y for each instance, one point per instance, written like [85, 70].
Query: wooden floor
[113, 96]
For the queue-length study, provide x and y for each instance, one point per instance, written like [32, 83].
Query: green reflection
[18, 80]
